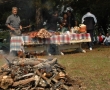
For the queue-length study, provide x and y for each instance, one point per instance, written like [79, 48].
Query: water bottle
[72, 30]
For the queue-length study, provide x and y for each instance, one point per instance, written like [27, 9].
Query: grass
[92, 68]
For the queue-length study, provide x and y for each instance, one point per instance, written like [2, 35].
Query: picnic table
[64, 42]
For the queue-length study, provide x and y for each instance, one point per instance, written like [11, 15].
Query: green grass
[93, 67]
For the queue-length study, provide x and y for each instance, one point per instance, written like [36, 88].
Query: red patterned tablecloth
[62, 39]
[17, 41]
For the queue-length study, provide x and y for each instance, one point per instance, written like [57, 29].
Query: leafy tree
[38, 10]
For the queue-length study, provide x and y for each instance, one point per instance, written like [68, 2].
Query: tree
[39, 10]
[98, 7]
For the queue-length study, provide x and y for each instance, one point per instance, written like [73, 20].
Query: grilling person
[13, 23]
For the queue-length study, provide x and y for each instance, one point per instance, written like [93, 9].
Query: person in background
[90, 21]
[107, 40]
[52, 22]
[52, 27]
[71, 19]
[64, 23]
[100, 38]
[13, 23]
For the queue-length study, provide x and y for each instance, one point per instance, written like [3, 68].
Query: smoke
[4, 55]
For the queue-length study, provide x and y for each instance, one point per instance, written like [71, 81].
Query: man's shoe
[50, 54]
[62, 53]
[90, 49]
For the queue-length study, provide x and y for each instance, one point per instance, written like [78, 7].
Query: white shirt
[89, 15]
[107, 39]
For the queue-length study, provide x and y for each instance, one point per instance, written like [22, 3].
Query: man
[107, 40]
[71, 19]
[13, 23]
[52, 22]
[52, 27]
[89, 20]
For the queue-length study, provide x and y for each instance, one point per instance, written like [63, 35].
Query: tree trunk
[39, 19]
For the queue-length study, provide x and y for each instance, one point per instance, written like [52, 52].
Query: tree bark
[39, 19]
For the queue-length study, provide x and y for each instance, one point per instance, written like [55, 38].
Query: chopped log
[53, 61]
[6, 81]
[59, 83]
[23, 82]
[48, 62]
[24, 76]
[41, 75]
[5, 66]
[1, 76]
[27, 62]
[41, 59]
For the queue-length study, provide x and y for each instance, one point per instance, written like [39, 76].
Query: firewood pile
[34, 74]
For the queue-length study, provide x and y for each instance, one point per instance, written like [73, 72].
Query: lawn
[92, 68]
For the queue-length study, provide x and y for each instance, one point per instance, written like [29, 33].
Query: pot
[82, 28]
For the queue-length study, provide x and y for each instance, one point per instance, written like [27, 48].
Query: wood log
[24, 76]
[35, 62]
[4, 66]
[41, 59]
[27, 62]
[1, 76]
[23, 82]
[62, 84]
[48, 62]
[6, 81]
[53, 61]
[43, 76]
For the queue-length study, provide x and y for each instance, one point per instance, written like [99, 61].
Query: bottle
[72, 30]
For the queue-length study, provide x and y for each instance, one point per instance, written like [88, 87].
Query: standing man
[52, 22]
[89, 20]
[13, 23]
[71, 19]
[52, 27]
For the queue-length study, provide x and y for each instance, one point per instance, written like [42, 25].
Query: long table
[64, 41]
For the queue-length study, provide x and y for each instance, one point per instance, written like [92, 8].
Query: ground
[90, 68]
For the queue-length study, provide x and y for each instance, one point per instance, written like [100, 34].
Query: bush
[4, 34]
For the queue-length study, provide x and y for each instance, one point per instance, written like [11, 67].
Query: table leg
[77, 47]
[52, 49]
[80, 49]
